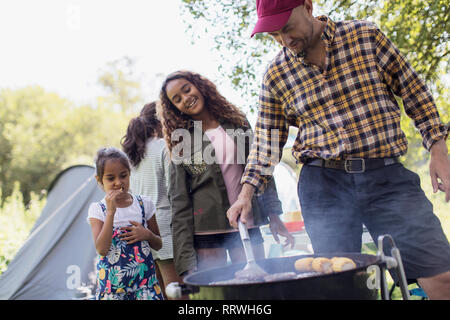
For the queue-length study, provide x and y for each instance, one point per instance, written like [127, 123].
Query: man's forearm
[247, 192]
[439, 148]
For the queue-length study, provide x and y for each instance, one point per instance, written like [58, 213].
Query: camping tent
[58, 256]
[59, 253]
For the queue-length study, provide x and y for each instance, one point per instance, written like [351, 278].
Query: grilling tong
[251, 269]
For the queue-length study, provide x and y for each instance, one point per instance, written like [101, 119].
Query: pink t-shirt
[225, 149]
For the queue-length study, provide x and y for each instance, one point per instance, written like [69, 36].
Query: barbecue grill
[287, 283]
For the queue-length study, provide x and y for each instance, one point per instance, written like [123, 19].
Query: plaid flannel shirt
[348, 109]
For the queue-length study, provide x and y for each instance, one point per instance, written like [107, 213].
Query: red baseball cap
[273, 14]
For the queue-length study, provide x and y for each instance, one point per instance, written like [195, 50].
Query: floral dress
[127, 272]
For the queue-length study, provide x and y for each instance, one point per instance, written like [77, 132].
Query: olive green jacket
[198, 195]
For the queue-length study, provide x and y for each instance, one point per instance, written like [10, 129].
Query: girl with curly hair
[201, 191]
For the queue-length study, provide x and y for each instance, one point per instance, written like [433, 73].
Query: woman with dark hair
[201, 190]
[149, 158]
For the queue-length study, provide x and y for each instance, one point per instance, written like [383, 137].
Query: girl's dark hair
[218, 106]
[139, 130]
[111, 153]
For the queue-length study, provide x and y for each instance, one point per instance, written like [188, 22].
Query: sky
[61, 45]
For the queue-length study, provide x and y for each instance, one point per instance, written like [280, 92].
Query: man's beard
[309, 42]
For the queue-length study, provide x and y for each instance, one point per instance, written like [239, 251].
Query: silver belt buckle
[347, 165]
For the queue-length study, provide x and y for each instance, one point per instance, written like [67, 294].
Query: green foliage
[120, 82]
[32, 123]
[417, 155]
[231, 23]
[440, 207]
[42, 133]
[16, 221]
[419, 28]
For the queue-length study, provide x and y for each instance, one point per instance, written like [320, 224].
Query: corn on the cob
[304, 264]
[342, 264]
[322, 265]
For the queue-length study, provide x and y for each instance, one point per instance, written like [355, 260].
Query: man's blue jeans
[335, 204]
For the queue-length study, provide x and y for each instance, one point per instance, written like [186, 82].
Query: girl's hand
[277, 227]
[135, 233]
[110, 200]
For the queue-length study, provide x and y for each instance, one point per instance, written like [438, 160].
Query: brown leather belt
[353, 165]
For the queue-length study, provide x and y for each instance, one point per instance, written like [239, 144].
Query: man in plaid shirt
[337, 82]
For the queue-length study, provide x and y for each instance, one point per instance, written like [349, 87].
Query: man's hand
[440, 168]
[277, 227]
[242, 207]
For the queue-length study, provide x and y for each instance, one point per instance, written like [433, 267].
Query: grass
[441, 208]
[16, 221]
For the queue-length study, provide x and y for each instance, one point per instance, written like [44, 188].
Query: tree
[230, 23]
[119, 80]
[42, 133]
[420, 29]
[30, 121]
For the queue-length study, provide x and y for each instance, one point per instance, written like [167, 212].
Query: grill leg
[384, 291]
[392, 262]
